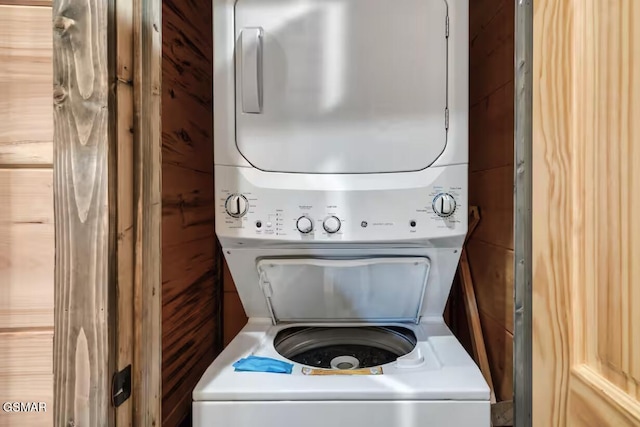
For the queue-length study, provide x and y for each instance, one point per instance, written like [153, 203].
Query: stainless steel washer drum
[344, 347]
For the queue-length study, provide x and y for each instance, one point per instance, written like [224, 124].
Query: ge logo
[24, 407]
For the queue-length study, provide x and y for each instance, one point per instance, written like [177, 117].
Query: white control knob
[331, 224]
[304, 224]
[444, 205]
[236, 205]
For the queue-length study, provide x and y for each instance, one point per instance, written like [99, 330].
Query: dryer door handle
[251, 69]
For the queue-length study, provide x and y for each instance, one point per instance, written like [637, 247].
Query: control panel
[421, 205]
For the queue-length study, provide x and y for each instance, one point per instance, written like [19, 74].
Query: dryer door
[344, 290]
[341, 86]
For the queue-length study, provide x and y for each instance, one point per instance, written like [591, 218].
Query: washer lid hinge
[446, 27]
[267, 289]
[446, 118]
[265, 285]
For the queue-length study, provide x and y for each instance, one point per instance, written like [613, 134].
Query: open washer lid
[344, 290]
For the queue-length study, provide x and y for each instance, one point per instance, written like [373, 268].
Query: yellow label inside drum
[377, 370]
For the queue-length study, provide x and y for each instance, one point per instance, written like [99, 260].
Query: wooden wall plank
[125, 220]
[192, 277]
[185, 264]
[26, 121]
[84, 349]
[229, 285]
[147, 113]
[26, 375]
[492, 271]
[490, 74]
[491, 130]
[500, 351]
[496, 32]
[481, 13]
[459, 323]
[26, 248]
[187, 205]
[234, 316]
[180, 398]
[491, 54]
[491, 178]
[46, 3]
[189, 307]
[492, 191]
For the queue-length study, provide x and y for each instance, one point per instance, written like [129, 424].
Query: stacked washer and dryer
[341, 152]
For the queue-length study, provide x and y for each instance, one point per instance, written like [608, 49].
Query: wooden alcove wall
[491, 177]
[191, 261]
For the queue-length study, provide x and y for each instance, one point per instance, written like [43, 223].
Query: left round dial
[236, 205]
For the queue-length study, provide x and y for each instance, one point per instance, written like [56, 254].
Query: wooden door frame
[523, 197]
[107, 195]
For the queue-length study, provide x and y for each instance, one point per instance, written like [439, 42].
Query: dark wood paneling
[492, 191]
[459, 324]
[187, 204]
[481, 13]
[234, 316]
[181, 398]
[490, 74]
[500, 350]
[491, 54]
[185, 263]
[491, 141]
[495, 32]
[491, 130]
[229, 285]
[192, 280]
[189, 317]
[492, 271]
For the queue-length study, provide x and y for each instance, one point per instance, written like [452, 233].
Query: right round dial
[332, 224]
[444, 205]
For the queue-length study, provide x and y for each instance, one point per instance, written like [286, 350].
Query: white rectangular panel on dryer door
[341, 86]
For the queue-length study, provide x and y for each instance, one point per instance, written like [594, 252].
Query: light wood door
[586, 213]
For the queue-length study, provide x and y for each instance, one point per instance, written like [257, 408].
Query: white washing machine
[341, 200]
